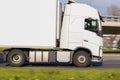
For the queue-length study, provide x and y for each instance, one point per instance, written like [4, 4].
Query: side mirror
[101, 18]
[100, 33]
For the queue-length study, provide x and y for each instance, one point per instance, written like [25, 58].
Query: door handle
[85, 40]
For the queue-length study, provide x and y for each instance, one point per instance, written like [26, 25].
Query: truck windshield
[91, 25]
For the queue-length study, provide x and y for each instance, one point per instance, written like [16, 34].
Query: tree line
[113, 10]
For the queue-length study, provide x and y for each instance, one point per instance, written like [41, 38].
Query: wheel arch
[82, 49]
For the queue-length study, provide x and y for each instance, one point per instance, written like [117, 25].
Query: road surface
[109, 62]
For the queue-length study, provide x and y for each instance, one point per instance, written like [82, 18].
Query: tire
[81, 59]
[16, 58]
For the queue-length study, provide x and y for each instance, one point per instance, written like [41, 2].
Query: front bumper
[97, 61]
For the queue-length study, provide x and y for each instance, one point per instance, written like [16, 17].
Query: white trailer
[36, 31]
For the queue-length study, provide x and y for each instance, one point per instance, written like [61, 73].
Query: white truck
[38, 31]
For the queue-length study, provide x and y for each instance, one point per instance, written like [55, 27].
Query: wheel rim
[16, 58]
[81, 59]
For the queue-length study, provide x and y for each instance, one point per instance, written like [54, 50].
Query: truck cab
[81, 31]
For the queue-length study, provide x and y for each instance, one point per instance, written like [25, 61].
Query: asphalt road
[109, 62]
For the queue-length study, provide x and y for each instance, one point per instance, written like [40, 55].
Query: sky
[101, 5]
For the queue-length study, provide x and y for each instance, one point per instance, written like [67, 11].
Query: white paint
[74, 35]
[63, 56]
[38, 56]
[65, 28]
[59, 18]
[28, 23]
[45, 56]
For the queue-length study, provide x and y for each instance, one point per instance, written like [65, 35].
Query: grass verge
[30, 74]
[2, 49]
[111, 51]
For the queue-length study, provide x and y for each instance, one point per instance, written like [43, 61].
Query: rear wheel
[81, 59]
[16, 58]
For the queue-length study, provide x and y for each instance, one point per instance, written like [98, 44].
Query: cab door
[91, 39]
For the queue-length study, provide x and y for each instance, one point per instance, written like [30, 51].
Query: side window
[91, 25]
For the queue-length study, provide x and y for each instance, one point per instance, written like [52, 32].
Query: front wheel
[16, 58]
[81, 59]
